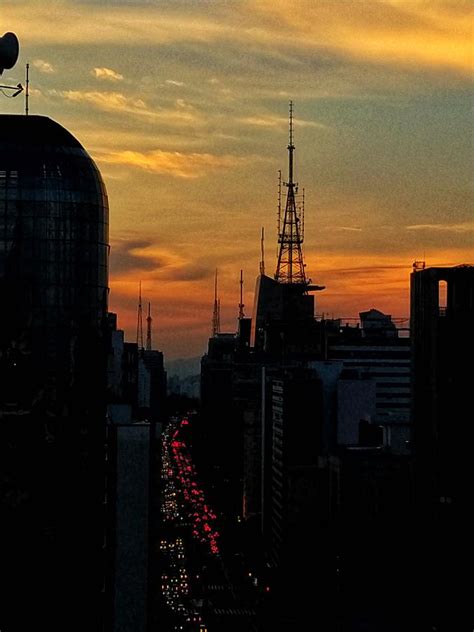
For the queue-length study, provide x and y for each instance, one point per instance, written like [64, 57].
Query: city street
[199, 591]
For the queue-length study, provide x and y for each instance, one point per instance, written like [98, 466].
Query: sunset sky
[183, 104]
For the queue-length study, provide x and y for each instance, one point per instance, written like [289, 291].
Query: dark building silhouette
[324, 411]
[136, 392]
[53, 288]
[136, 379]
[296, 443]
[283, 321]
[327, 473]
[153, 403]
[221, 429]
[375, 350]
[442, 316]
[136, 406]
[130, 489]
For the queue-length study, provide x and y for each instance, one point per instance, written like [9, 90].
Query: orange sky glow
[183, 105]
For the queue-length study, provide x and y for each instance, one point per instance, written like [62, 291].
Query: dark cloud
[123, 259]
[187, 272]
[129, 255]
[367, 270]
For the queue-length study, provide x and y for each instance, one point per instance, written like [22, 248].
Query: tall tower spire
[290, 267]
[216, 316]
[149, 320]
[140, 318]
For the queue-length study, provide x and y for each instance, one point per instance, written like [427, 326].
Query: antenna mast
[262, 251]
[302, 215]
[149, 320]
[290, 267]
[27, 91]
[216, 317]
[241, 304]
[279, 202]
[140, 319]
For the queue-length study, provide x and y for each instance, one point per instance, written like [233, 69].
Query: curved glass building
[53, 253]
[53, 288]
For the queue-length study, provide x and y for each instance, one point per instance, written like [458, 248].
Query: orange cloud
[277, 121]
[181, 165]
[106, 73]
[463, 227]
[122, 104]
[43, 66]
[393, 31]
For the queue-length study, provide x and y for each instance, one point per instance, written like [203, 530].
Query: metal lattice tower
[140, 319]
[290, 267]
[149, 321]
[216, 316]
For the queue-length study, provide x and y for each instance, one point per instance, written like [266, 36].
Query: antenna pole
[302, 217]
[241, 304]
[216, 316]
[262, 250]
[149, 320]
[279, 202]
[140, 319]
[27, 91]
[291, 148]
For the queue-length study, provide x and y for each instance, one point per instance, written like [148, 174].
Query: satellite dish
[9, 49]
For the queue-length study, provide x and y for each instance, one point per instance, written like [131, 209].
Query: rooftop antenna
[302, 214]
[290, 267]
[241, 304]
[149, 320]
[216, 316]
[9, 51]
[140, 319]
[262, 251]
[27, 91]
[279, 202]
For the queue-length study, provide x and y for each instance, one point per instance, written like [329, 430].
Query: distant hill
[183, 367]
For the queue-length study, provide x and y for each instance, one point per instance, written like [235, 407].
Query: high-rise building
[136, 391]
[129, 474]
[376, 351]
[221, 425]
[296, 444]
[54, 288]
[442, 316]
[442, 312]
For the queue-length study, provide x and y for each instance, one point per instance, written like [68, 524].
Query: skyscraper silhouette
[442, 313]
[53, 287]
